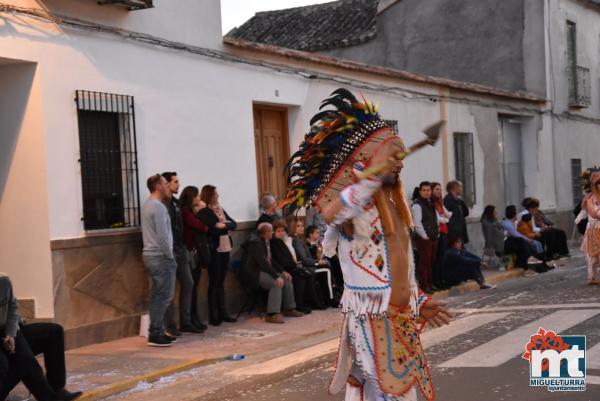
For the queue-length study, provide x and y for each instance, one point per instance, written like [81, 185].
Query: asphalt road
[479, 356]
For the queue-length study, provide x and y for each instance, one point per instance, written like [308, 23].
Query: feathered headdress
[338, 138]
[589, 177]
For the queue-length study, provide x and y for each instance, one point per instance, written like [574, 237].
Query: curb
[127, 384]
[473, 286]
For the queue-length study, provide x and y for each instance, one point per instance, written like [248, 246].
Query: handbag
[202, 250]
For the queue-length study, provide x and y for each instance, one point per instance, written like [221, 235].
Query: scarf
[224, 240]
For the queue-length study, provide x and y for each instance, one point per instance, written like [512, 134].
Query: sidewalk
[109, 368]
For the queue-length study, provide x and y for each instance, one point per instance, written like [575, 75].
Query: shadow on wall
[16, 79]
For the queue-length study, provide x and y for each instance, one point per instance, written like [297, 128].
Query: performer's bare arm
[589, 207]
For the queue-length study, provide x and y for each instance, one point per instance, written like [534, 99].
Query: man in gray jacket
[158, 258]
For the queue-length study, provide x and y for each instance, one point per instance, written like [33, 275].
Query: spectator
[493, 233]
[184, 274]
[47, 339]
[194, 237]
[320, 266]
[259, 271]
[158, 258]
[302, 277]
[516, 243]
[524, 227]
[461, 265]
[443, 217]
[268, 209]
[556, 238]
[219, 225]
[426, 229]
[314, 218]
[553, 240]
[17, 361]
[457, 206]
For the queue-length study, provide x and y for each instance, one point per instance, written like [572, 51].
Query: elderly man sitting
[259, 271]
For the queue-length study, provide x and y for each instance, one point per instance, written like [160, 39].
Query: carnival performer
[380, 355]
[590, 205]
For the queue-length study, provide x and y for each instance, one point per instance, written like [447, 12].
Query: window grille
[576, 181]
[578, 77]
[464, 162]
[108, 160]
[393, 124]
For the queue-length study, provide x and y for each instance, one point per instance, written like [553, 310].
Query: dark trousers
[426, 248]
[519, 247]
[195, 314]
[555, 242]
[438, 265]
[217, 271]
[22, 366]
[305, 291]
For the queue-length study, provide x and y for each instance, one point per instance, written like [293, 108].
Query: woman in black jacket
[303, 279]
[219, 224]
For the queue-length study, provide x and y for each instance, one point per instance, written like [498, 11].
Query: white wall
[24, 235]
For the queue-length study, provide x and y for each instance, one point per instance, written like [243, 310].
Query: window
[108, 160]
[464, 162]
[576, 182]
[578, 76]
[393, 124]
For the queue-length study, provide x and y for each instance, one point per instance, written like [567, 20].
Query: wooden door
[272, 149]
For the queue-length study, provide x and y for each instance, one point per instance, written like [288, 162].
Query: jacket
[281, 256]
[303, 253]
[458, 223]
[526, 229]
[208, 216]
[254, 261]
[176, 222]
[192, 226]
[493, 233]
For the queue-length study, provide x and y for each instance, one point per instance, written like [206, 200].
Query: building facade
[98, 97]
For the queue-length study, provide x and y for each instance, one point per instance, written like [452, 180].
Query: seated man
[259, 271]
[554, 240]
[461, 265]
[17, 361]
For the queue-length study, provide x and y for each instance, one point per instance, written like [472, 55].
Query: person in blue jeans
[461, 265]
[158, 258]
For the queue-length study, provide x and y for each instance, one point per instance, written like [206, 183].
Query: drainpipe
[443, 93]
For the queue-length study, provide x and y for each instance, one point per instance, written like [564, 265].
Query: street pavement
[477, 357]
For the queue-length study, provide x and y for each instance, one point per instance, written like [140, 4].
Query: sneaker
[171, 338]
[159, 341]
[173, 332]
[533, 261]
[485, 286]
[275, 318]
[189, 328]
[293, 313]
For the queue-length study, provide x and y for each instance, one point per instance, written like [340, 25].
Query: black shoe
[199, 324]
[189, 328]
[320, 307]
[229, 319]
[63, 394]
[171, 338]
[485, 286]
[159, 341]
[215, 322]
[541, 268]
[173, 332]
[306, 310]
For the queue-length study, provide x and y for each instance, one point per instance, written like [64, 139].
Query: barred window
[464, 162]
[393, 124]
[108, 160]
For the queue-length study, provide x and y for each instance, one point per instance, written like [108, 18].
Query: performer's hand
[9, 344]
[436, 313]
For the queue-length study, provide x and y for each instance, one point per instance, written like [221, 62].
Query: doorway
[272, 148]
[512, 161]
